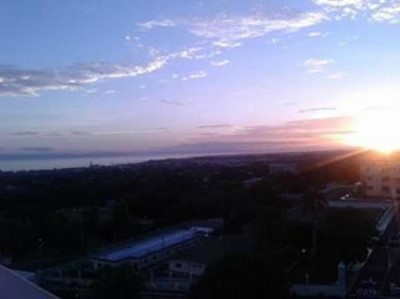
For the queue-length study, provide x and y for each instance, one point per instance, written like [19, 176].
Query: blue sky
[210, 76]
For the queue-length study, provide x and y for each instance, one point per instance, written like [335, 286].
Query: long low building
[147, 252]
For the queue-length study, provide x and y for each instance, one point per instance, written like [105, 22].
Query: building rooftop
[214, 248]
[14, 286]
[146, 246]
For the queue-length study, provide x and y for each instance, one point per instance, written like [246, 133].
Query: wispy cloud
[303, 134]
[180, 103]
[28, 82]
[346, 8]
[25, 82]
[314, 65]
[306, 134]
[375, 10]
[194, 53]
[319, 109]
[157, 23]
[218, 63]
[24, 133]
[214, 126]
[121, 132]
[315, 34]
[227, 44]
[74, 133]
[235, 29]
[80, 133]
[342, 3]
[43, 133]
[389, 14]
[129, 132]
[229, 31]
[197, 75]
[299, 129]
[224, 32]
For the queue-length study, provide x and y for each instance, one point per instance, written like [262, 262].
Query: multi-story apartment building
[381, 177]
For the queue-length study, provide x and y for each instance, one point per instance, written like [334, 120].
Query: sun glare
[376, 123]
[378, 131]
[376, 128]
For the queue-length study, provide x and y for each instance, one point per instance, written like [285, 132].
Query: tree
[117, 283]
[314, 206]
[348, 234]
[240, 276]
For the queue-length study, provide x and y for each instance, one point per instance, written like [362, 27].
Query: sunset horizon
[198, 78]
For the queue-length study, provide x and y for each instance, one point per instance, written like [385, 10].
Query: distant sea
[16, 163]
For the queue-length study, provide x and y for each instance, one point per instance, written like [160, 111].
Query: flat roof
[147, 246]
[14, 286]
[214, 248]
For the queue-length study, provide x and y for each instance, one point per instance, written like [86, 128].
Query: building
[336, 290]
[380, 177]
[15, 286]
[364, 279]
[148, 252]
[179, 274]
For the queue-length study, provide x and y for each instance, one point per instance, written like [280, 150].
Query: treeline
[68, 212]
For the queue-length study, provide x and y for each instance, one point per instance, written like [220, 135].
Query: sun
[376, 119]
[378, 129]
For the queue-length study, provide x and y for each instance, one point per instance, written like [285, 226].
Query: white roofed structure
[149, 251]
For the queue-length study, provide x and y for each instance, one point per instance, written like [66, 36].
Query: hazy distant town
[287, 225]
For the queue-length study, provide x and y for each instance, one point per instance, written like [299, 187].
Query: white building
[187, 267]
[148, 252]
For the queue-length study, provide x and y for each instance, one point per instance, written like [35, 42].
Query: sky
[194, 76]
